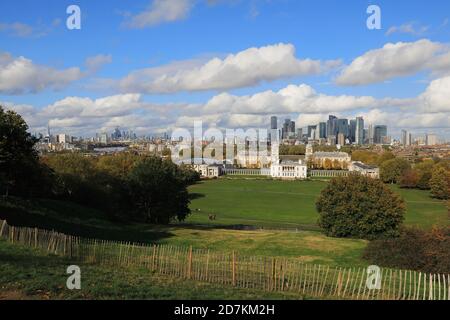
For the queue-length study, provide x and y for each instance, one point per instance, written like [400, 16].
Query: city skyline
[273, 58]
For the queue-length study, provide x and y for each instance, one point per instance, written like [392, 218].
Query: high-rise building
[299, 133]
[342, 127]
[379, 134]
[285, 129]
[63, 138]
[331, 126]
[273, 123]
[371, 134]
[310, 131]
[322, 128]
[359, 133]
[352, 130]
[291, 133]
[341, 139]
[406, 138]
[431, 140]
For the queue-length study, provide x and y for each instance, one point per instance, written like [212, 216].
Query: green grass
[266, 203]
[288, 204]
[308, 246]
[30, 274]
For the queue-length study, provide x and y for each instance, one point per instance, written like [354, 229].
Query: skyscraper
[342, 127]
[359, 133]
[371, 133]
[406, 138]
[431, 139]
[310, 131]
[322, 127]
[273, 123]
[291, 133]
[331, 126]
[352, 129]
[285, 129]
[380, 133]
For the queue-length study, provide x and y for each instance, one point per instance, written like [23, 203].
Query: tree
[409, 179]
[361, 207]
[158, 191]
[21, 173]
[440, 183]
[391, 170]
[387, 155]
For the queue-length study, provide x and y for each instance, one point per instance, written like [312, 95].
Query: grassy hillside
[30, 274]
[289, 204]
[309, 246]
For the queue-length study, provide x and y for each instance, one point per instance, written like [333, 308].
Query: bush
[415, 249]
[360, 207]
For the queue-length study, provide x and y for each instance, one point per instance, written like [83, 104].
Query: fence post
[3, 228]
[189, 263]
[234, 269]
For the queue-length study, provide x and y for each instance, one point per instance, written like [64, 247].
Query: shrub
[415, 249]
[360, 207]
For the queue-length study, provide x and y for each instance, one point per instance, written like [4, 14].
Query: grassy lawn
[29, 274]
[288, 204]
[308, 246]
[265, 203]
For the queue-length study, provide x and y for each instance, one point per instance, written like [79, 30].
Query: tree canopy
[20, 170]
[360, 207]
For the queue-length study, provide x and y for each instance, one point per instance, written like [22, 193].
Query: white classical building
[208, 170]
[286, 169]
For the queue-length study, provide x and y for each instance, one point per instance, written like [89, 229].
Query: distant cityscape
[332, 132]
[336, 131]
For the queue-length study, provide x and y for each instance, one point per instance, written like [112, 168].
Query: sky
[155, 65]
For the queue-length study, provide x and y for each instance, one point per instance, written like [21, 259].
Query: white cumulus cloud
[160, 11]
[246, 68]
[396, 60]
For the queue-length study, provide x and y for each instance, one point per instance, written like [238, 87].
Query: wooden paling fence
[231, 269]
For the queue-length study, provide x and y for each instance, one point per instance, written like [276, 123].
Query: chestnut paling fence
[231, 269]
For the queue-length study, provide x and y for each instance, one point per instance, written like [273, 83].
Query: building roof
[322, 154]
[364, 166]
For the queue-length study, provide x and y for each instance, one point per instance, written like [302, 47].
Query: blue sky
[201, 30]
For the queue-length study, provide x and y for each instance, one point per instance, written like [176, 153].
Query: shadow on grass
[20, 217]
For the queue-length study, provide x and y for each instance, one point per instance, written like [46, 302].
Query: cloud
[160, 11]
[436, 97]
[409, 28]
[86, 116]
[19, 75]
[95, 63]
[246, 68]
[16, 29]
[395, 60]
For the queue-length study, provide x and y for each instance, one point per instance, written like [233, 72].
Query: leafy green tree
[21, 173]
[360, 207]
[188, 175]
[118, 165]
[392, 170]
[440, 183]
[158, 191]
[385, 156]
